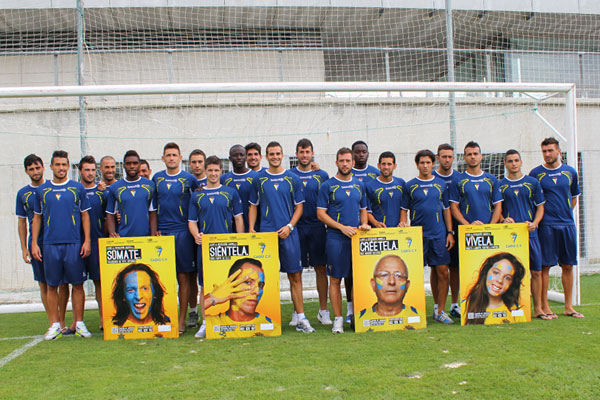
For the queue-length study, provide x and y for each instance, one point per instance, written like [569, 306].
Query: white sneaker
[338, 325]
[443, 318]
[54, 332]
[304, 326]
[349, 318]
[201, 334]
[324, 318]
[294, 320]
[82, 331]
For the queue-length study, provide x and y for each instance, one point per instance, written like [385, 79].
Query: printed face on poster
[139, 287]
[241, 273]
[494, 273]
[389, 291]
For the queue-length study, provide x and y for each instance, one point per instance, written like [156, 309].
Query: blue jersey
[97, 211]
[243, 184]
[133, 200]
[277, 194]
[343, 201]
[311, 183]
[520, 199]
[214, 209]
[560, 185]
[476, 196]
[426, 201]
[365, 174]
[450, 180]
[384, 200]
[201, 182]
[172, 199]
[61, 206]
[27, 201]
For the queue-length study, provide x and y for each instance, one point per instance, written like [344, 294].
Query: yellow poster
[139, 287]
[494, 273]
[241, 277]
[389, 292]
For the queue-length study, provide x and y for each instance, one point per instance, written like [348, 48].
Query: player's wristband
[291, 227]
[450, 233]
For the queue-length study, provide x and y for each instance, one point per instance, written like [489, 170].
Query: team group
[314, 216]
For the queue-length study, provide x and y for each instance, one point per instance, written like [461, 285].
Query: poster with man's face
[389, 291]
[139, 287]
[241, 277]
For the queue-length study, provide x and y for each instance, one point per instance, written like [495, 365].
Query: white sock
[193, 309]
[337, 319]
[435, 309]
[301, 316]
[79, 323]
[349, 308]
[455, 305]
[56, 325]
[203, 323]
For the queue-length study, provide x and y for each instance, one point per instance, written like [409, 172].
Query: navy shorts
[312, 245]
[184, 251]
[37, 266]
[454, 254]
[435, 251]
[289, 253]
[559, 244]
[339, 256]
[63, 264]
[92, 262]
[535, 254]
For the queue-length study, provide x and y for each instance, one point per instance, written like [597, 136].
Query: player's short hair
[550, 140]
[197, 152]
[472, 145]
[387, 154]
[106, 158]
[32, 159]
[444, 146]
[238, 264]
[145, 162]
[213, 160]
[86, 160]
[274, 144]
[342, 151]
[171, 145]
[510, 153]
[59, 154]
[424, 153]
[253, 146]
[236, 145]
[359, 142]
[131, 153]
[303, 144]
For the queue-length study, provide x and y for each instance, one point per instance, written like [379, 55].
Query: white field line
[20, 351]
[20, 337]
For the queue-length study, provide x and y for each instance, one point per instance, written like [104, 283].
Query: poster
[494, 273]
[139, 287]
[389, 292]
[241, 274]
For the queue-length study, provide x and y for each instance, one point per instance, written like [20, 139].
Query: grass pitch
[541, 359]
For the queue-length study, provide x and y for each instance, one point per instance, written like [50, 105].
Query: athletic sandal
[543, 317]
[552, 315]
[576, 314]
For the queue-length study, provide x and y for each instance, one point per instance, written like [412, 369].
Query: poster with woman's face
[139, 287]
[494, 274]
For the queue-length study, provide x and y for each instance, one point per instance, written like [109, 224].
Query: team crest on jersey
[516, 192]
[477, 186]
[211, 199]
[132, 191]
[348, 192]
[409, 241]
[391, 193]
[554, 180]
[58, 195]
[237, 186]
[169, 186]
[276, 185]
[425, 191]
[304, 182]
[513, 236]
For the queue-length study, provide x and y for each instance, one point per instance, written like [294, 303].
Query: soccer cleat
[192, 319]
[349, 318]
[455, 312]
[324, 318]
[443, 318]
[304, 326]
[67, 331]
[82, 331]
[294, 320]
[338, 325]
[54, 332]
[201, 334]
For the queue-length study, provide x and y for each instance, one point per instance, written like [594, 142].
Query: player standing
[342, 206]
[145, 170]
[212, 210]
[197, 168]
[240, 178]
[384, 194]
[557, 231]
[427, 199]
[253, 156]
[62, 208]
[108, 170]
[279, 194]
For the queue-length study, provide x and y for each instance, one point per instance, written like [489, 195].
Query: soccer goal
[402, 117]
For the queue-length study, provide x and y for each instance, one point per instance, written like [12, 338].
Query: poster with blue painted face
[139, 292]
[494, 274]
[241, 277]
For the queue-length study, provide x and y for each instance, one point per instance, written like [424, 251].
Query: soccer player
[445, 159]
[310, 229]
[253, 156]
[342, 206]
[145, 170]
[279, 194]
[27, 198]
[427, 200]
[62, 208]
[523, 201]
[475, 198]
[384, 194]
[131, 197]
[108, 169]
[212, 210]
[240, 178]
[557, 232]
[196, 161]
[97, 213]
[174, 189]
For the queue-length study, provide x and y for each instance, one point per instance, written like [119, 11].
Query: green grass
[541, 359]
